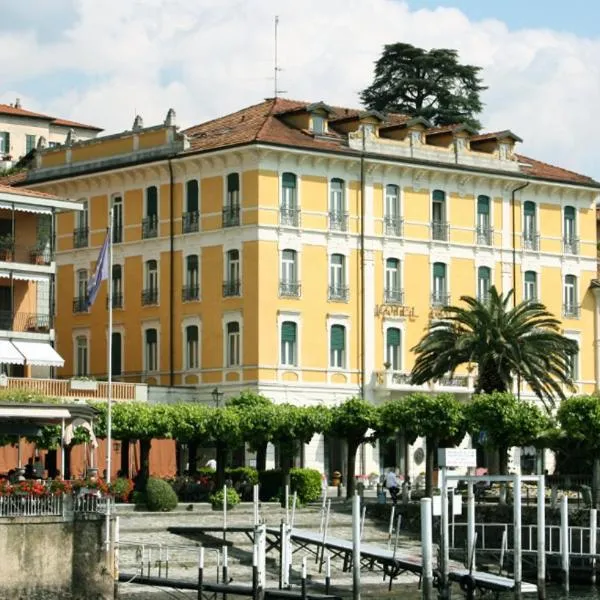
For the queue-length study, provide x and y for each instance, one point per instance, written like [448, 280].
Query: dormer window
[415, 137]
[368, 129]
[503, 151]
[318, 124]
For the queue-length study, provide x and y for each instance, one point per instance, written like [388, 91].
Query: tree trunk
[261, 458]
[353, 446]
[221, 464]
[144, 474]
[67, 473]
[596, 483]
[192, 457]
[125, 464]
[429, 460]
[51, 464]
[286, 458]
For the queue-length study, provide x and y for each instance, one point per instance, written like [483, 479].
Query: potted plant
[7, 246]
[38, 254]
[84, 383]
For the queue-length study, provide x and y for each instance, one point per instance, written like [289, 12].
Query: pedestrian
[391, 483]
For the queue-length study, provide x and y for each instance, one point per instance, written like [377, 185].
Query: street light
[217, 395]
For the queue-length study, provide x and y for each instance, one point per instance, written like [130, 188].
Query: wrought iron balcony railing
[80, 237]
[117, 234]
[289, 216]
[338, 221]
[231, 288]
[231, 216]
[149, 296]
[289, 289]
[440, 231]
[440, 299]
[571, 245]
[150, 227]
[80, 304]
[339, 293]
[22, 321]
[190, 222]
[117, 301]
[531, 240]
[571, 311]
[394, 226]
[394, 296]
[485, 236]
[190, 293]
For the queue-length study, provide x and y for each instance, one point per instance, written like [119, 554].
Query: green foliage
[306, 483]
[579, 418]
[188, 421]
[217, 499]
[141, 421]
[160, 496]
[223, 425]
[239, 475]
[352, 419]
[431, 84]
[248, 399]
[27, 397]
[503, 341]
[505, 420]
[121, 488]
[438, 417]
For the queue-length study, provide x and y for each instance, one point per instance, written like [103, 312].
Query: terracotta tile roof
[6, 189]
[495, 135]
[7, 109]
[537, 168]
[14, 178]
[75, 124]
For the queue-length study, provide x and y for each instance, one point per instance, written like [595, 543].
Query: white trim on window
[233, 317]
[77, 336]
[145, 351]
[344, 320]
[294, 317]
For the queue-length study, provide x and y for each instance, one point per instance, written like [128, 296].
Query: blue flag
[100, 273]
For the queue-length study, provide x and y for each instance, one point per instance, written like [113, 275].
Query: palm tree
[503, 341]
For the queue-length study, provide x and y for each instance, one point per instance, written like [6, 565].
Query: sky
[104, 62]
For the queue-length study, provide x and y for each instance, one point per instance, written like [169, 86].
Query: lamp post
[217, 395]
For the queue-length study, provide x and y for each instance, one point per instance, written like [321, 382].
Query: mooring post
[254, 572]
[541, 537]
[593, 540]
[224, 513]
[225, 569]
[427, 549]
[327, 573]
[444, 590]
[470, 526]
[255, 501]
[518, 563]
[564, 540]
[324, 539]
[294, 500]
[282, 547]
[303, 583]
[356, 547]
[391, 526]
[200, 571]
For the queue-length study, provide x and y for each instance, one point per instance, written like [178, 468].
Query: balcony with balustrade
[150, 297]
[440, 231]
[338, 221]
[338, 293]
[231, 216]
[289, 216]
[150, 227]
[394, 226]
[231, 288]
[190, 222]
[289, 289]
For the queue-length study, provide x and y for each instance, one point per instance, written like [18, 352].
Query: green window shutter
[529, 209]
[483, 205]
[484, 273]
[338, 337]
[570, 212]
[439, 196]
[439, 270]
[192, 333]
[393, 336]
[233, 182]
[530, 276]
[233, 327]
[288, 180]
[392, 263]
[192, 262]
[288, 331]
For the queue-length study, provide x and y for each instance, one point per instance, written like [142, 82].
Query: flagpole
[109, 353]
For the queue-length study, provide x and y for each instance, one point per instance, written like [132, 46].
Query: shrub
[121, 489]
[160, 496]
[242, 475]
[306, 483]
[233, 499]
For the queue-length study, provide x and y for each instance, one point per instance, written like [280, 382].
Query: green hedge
[217, 498]
[160, 496]
[306, 482]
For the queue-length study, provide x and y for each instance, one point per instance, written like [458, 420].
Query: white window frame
[389, 324]
[148, 275]
[285, 270]
[186, 281]
[112, 205]
[344, 198]
[537, 285]
[386, 273]
[121, 289]
[315, 118]
[196, 354]
[576, 336]
[386, 203]
[240, 191]
[82, 217]
[282, 202]
[447, 278]
[86, 370]
[233, 349]
[145, 214]
[536, 218]
[121, 331]
[478, 280]
[294, 317]
[81, 283]
[345, 321]
[186, 205]
[574, 287]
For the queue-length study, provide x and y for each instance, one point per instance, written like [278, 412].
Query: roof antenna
[277, 68]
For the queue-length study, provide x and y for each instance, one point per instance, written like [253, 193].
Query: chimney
[18, 103]
[170, 119]
[138, 123]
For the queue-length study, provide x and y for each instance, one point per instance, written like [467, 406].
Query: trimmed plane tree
[352, 421]
[439, 419]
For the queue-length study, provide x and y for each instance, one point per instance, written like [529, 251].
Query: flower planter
[84, 384]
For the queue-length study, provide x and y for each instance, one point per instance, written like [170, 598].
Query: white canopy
[39, 353]
[9, 354]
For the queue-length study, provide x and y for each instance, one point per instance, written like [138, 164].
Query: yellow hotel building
[301, 249]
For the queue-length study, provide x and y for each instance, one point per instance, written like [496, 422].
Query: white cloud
[209, 57]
